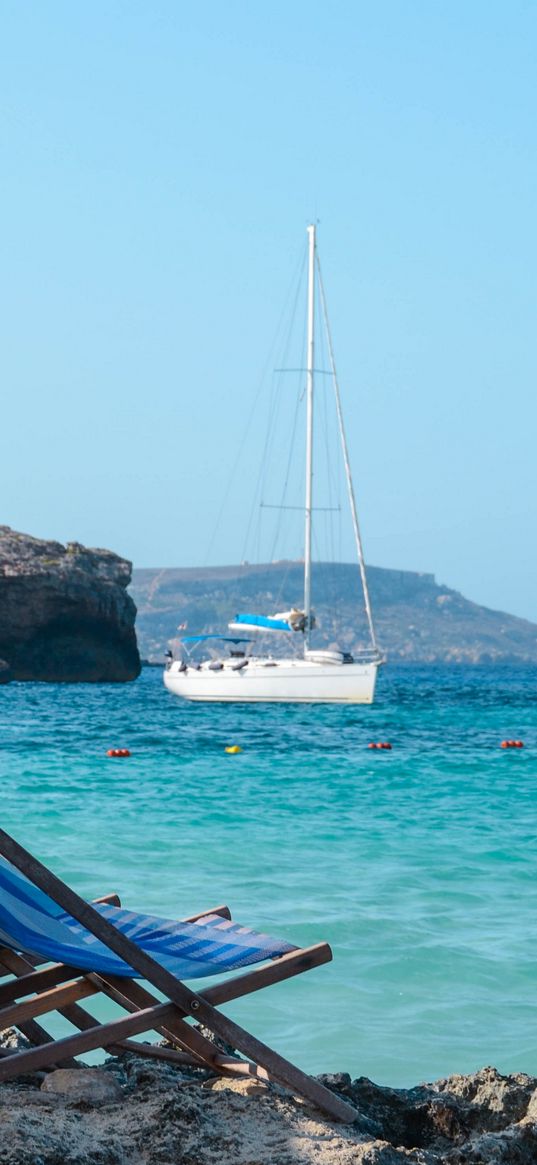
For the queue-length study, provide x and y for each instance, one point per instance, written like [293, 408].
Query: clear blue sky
[160, 162]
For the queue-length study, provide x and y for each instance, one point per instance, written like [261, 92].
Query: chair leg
[262, 1061]
[272, 1066]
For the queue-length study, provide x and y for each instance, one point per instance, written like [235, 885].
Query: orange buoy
[512, 744]
[372, 745]
[118, 752]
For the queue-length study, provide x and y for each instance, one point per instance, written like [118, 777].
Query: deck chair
[59, 949]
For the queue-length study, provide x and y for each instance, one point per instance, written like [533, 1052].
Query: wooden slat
[53, 1000]
[223, 911]
[188, 1001]
[35, 981]
[71, 1012]
[294, 963]
[156, 1052]
[18, 966]
[100, 1036]
[288, 965]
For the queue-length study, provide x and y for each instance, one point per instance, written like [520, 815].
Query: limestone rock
[12, 1040]
[91, 1085]
[482, 1119]
[65, 615]
[245, 1087]
[168, 1118]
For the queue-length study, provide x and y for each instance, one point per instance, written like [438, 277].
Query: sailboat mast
[309, 432]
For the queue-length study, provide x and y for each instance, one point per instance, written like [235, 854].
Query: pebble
[92, 1085]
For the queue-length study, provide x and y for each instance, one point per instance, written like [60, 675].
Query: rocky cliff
[65, 614]
[417, 620]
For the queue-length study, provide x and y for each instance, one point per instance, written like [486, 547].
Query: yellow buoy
[233, 748]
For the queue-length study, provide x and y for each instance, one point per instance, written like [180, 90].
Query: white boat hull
[290, 681]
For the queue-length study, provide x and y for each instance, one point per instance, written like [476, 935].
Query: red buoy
[118, 752]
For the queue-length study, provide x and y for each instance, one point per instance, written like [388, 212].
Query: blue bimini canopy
[32, 923]
[258, 623]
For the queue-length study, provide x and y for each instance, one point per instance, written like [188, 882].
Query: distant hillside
[416, 620]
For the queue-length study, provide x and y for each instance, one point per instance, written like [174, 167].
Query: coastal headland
[65, 614]
[136, 1112]
[417, 620]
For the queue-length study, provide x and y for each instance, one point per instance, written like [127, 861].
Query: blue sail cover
[223, 638]
[259, 623]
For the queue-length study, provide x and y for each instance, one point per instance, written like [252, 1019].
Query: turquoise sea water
[418, 865]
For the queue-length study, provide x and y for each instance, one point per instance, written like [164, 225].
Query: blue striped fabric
[32, 923]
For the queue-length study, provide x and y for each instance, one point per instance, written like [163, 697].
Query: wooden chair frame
[36, 990]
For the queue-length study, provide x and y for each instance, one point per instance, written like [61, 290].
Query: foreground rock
[65, 614]
[155, 1113]
[90, 1085]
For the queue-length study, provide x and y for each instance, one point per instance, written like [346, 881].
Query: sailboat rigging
[316, 676]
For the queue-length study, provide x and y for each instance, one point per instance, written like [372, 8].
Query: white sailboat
[313, 676]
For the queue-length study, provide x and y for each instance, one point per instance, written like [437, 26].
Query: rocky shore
[65, 615]
[136, 1112]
